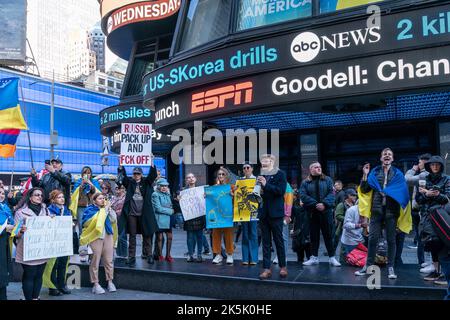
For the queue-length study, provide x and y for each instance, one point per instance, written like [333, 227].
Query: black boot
[65, 290]
[54, 292]
[131, 262]
[150, 259]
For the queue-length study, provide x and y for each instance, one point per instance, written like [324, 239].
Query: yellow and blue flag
[16, 229]
[11, 118]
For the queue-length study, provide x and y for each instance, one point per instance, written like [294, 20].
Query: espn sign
[217, 98]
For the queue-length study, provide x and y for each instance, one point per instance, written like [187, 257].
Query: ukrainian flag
[11, 118]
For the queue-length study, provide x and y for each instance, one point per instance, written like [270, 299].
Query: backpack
[440, 220]
[358, 256]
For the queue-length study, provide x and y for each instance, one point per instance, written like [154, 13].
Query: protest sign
[136, 144]
[48, 237]
[244, 209]
[192, 203]
[219, 207]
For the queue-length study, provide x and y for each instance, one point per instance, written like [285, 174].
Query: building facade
[96, 40]
[341, 80]
[76, 121]
[105, 83]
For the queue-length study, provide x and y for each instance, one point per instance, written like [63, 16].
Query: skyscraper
[50, 23]
[96, 40]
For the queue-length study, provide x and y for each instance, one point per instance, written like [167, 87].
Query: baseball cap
[138, 170]
[350, 192]
[57, 160]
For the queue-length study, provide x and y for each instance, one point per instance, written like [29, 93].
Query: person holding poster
[273, 184]
[137, 215]
[162, 204]
[194, 227]
[32, 205]
[56, 269]
[223, 178]
[100, 233]
[249, 228]
[6, 226]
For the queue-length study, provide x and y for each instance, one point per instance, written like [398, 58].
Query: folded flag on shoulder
[11, 118]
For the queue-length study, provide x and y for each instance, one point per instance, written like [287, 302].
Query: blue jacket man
[317, 195]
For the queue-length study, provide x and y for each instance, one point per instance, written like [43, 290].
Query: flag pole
[12, 175]
[26, 119]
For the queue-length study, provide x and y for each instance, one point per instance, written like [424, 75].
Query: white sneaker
[428, 269]
[230, 259]
[97, 289]
[392, 274]
[425, 264]
[218, 259]
[312, 260]
[334, 262]
[361, 272]
[111, 287]
[275, 261]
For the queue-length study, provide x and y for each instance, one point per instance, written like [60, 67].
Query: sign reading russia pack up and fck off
[136, 144]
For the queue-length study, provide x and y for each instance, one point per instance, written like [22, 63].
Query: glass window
[110, 83]
[206, 20]
[308, 152]
[256, 13]
[141, 66]
[444, 141]
[335, 5]
[101, 81]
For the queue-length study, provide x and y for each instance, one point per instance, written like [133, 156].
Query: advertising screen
[256, 13]
[13, 17]
[334, 5]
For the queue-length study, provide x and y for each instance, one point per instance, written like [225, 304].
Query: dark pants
[59, 271]
[273, 227]
[321, 221]
[399, 241]
[133, 223]
[445, 266]
[376, 224]
[32, 280]
[420, 249]
[3, 294]
[122, 244]
[302, 251]
[195, 238]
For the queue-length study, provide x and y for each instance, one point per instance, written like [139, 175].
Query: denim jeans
[193, 238]
[273, 227]
[445, 266]
[122, 244]
[205, 243]
[249, 241]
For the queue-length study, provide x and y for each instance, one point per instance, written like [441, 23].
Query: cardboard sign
[244, 209]
[136, 144]
[48, 237]
[192, 203]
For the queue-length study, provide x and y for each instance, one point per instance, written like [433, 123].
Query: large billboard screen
[13, 19]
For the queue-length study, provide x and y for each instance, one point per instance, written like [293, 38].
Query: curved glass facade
[76, 120]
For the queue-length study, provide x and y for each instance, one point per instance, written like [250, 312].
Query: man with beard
[384, 198]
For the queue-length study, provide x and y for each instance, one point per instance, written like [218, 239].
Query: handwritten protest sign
[48, 237]
[244, 209]
[136, 144]
[192, 203]
[219, 207]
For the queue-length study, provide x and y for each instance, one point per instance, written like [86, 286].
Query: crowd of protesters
[361, 225]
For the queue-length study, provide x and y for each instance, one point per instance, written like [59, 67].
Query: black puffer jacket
[392, 206]
[438, 181]
[58, 180]
[195, 224]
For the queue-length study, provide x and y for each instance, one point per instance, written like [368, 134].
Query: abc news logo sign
[307, 45]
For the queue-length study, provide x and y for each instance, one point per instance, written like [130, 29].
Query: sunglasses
[247, 167]
[221, 174]
[38, 195]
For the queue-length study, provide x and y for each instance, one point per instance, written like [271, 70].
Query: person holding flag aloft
[6, 226]
[56, 269]
[100, 233]
[384, 198]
